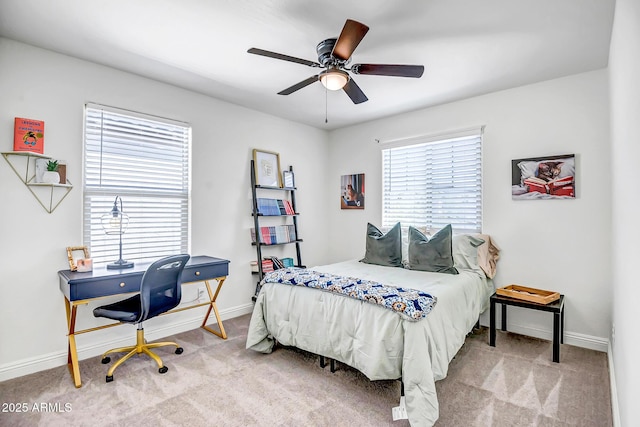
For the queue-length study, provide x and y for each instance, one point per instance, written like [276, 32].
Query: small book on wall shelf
[28, 135]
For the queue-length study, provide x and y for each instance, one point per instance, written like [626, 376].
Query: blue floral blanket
[409, 303]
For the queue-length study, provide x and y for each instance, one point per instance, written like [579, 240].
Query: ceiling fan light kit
[333, 78]
[334, 55]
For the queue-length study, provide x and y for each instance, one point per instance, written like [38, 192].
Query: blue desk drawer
[106, 287]
[205, 272]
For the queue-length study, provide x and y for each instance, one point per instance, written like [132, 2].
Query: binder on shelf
[274, 207]
[275, 234]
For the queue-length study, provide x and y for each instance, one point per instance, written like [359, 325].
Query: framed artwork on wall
[352, 191]
[551, 177]
[267, 168]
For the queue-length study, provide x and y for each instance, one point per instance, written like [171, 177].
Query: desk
[80, 288]
[557, 308]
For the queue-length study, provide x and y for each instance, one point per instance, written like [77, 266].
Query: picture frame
[288, 179]
[352, 191]
[267, 168]
[544, 178]
[73, 266]
[41, 168]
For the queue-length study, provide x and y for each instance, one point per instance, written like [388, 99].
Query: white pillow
[465, 252]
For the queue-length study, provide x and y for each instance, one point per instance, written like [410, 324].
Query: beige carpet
[219, 383]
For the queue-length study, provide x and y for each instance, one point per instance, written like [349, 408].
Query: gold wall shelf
[23, 165]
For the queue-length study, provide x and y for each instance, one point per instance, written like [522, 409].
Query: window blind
[145, 161]
[432, 184]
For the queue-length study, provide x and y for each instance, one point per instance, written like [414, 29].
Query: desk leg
[556, 337]
[492, 323]
[212, 305]
[72, 352]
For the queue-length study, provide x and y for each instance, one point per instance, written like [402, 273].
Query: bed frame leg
[477, 326]
[331, 362]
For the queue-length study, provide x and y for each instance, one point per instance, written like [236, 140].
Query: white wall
[43, 85]
[562, 245]
[624, 69]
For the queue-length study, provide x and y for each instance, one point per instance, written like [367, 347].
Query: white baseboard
[615, 411]
[571, 338]
[51, 360]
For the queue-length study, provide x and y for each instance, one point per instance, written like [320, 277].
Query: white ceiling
[468, 47]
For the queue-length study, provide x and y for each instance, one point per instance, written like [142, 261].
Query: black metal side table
[556, 307]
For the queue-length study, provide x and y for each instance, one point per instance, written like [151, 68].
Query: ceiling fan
[334, 55]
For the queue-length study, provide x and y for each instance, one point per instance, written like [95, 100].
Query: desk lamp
[116, 222]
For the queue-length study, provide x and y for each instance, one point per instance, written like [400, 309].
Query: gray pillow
[465, 252]
[435, 254]
[383, 249]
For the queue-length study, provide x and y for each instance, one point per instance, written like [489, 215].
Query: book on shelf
[267, 266]
[556, 187]
[274, 207]
[28, 135]
[288, 262]
[275, 234]
[276, 262]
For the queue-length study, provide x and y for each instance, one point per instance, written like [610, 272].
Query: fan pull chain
[326, 102]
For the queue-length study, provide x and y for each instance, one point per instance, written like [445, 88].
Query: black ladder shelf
[290, 195]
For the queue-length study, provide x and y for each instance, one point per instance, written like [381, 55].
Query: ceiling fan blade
[283, 57]
[352, 34]
[298, 86]
[389, 70]
[355, 93]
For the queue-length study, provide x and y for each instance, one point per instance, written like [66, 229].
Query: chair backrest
[160, 290]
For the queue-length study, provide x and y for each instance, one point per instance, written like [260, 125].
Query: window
[145, 161]
[434, 181]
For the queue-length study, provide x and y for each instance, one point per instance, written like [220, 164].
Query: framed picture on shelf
[287, 177]
[267, 168]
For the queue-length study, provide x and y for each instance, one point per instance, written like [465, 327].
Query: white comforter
[374, 340]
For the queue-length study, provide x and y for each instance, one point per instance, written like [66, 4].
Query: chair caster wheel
[109, 378]
[106, 360]
[179, 350]
[163, 369]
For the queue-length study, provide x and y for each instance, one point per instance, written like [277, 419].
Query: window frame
[461, 222]
[145, 203]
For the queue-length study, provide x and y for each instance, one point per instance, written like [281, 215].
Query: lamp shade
[334, 79]
[116, 221]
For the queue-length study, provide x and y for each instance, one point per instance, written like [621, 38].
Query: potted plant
[51, 175]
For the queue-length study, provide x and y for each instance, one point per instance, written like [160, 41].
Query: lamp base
[119, 264]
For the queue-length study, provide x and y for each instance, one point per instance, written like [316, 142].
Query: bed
[378, 341]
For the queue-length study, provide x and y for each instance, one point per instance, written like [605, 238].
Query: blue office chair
[160, 291]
